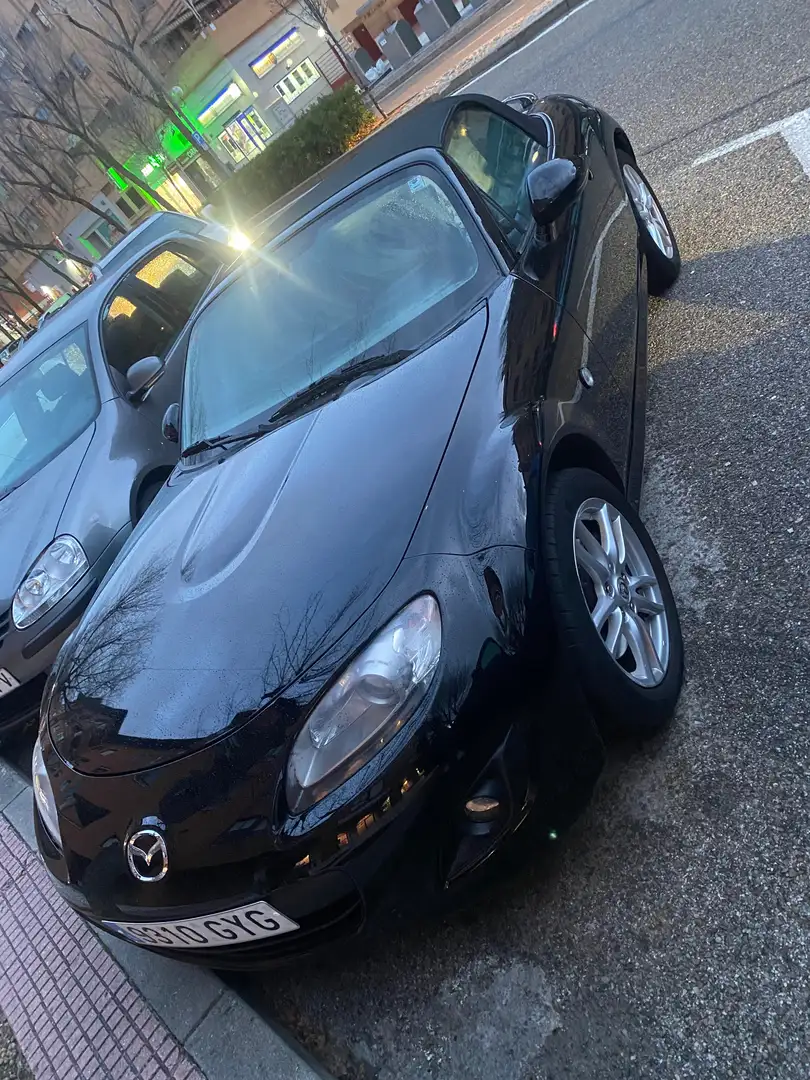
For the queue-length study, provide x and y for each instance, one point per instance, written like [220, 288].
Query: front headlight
[43, 796]
[367, 705]
[51, 577]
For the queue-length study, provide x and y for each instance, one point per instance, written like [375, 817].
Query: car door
[146, 314]
[560, 370]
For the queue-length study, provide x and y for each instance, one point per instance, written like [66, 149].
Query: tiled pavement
[72, 1008]
[80, 1013]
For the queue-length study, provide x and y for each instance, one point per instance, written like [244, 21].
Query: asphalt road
[669, 935]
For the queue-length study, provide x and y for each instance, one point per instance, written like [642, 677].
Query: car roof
[150, 232]
[420, 128]
[83, 307]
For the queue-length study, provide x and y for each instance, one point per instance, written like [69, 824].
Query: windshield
[44, 406]
[379, 274]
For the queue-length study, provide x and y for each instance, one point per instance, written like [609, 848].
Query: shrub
[330, 127]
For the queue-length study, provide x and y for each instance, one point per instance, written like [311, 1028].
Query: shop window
[176, 190]
[298, 80]
[245, 136]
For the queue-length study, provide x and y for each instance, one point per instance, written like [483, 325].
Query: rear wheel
[657, 238]
[614, 608]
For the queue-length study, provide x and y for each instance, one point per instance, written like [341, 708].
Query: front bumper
[29, 654]
[389, 843]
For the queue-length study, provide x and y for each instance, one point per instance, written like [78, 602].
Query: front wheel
[657, 238]
[613, 605]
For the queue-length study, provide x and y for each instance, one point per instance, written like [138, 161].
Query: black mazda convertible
[395, 596]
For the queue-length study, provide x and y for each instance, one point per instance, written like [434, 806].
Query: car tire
[628, 696]
[655, 232]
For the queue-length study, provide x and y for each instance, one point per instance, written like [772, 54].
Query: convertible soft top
[418, 128]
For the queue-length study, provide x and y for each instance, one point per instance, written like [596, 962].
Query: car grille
[5, 619]
[22, 705]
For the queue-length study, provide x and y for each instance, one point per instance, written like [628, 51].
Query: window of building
[270, 57]
[26, 35]
[135, 197]
[40, 15]
[298, 80]
[29, 220]
[79, 65]
[245, 136]
[177, 191]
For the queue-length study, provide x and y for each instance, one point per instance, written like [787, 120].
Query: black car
[397, 590]
[82, 450]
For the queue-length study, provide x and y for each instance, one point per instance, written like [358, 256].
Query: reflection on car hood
[29, 515]
[246, 571]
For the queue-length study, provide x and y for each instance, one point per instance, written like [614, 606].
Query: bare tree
[15, 238]
[8, 284]
[41, 165]
[40, 92]
[119, 32]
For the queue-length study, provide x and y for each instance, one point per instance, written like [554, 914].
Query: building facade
[238, 71]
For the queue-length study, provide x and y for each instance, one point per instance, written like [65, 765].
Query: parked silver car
[82, 452]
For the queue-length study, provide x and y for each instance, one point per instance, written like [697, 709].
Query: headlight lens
[367, 705]
[43, 796]
[53, 575]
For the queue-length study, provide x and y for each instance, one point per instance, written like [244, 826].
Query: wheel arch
[622, 142]
[156, 476]
[575, 450]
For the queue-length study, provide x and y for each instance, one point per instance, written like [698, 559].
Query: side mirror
[171, 423]
[521, 103]
[553, 186]
[142, 376]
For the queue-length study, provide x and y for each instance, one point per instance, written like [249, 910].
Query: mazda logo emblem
[147, 856]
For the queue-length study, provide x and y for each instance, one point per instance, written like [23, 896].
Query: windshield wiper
[226, 440]
[330, 384]
[335, 381]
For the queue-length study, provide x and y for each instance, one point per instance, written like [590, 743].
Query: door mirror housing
[171, 423]
[553, 186]
[142, 376]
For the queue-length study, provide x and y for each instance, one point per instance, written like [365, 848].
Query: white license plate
[7, 682]
[232, 927]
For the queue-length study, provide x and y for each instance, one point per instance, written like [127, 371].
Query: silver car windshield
[345, 287]
[44, 406]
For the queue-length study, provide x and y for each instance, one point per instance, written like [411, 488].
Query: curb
[527, 34]
[221, 1034]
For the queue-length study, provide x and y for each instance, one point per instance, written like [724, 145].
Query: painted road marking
[528, 45]
[795, 130]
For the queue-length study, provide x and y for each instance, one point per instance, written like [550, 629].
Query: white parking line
[528, 45]
[795, 130]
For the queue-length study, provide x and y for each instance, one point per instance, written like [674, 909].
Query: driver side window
[497, 156]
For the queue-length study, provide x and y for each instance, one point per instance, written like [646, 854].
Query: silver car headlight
[51, 577]
[43, 795]
[365, 707]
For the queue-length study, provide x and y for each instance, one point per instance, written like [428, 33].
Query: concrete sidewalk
[84, 1005]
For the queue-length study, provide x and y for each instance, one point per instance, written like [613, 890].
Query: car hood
[29, 515]
[247, 570]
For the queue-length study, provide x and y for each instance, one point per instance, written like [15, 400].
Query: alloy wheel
[648, 210]
[621, 591]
